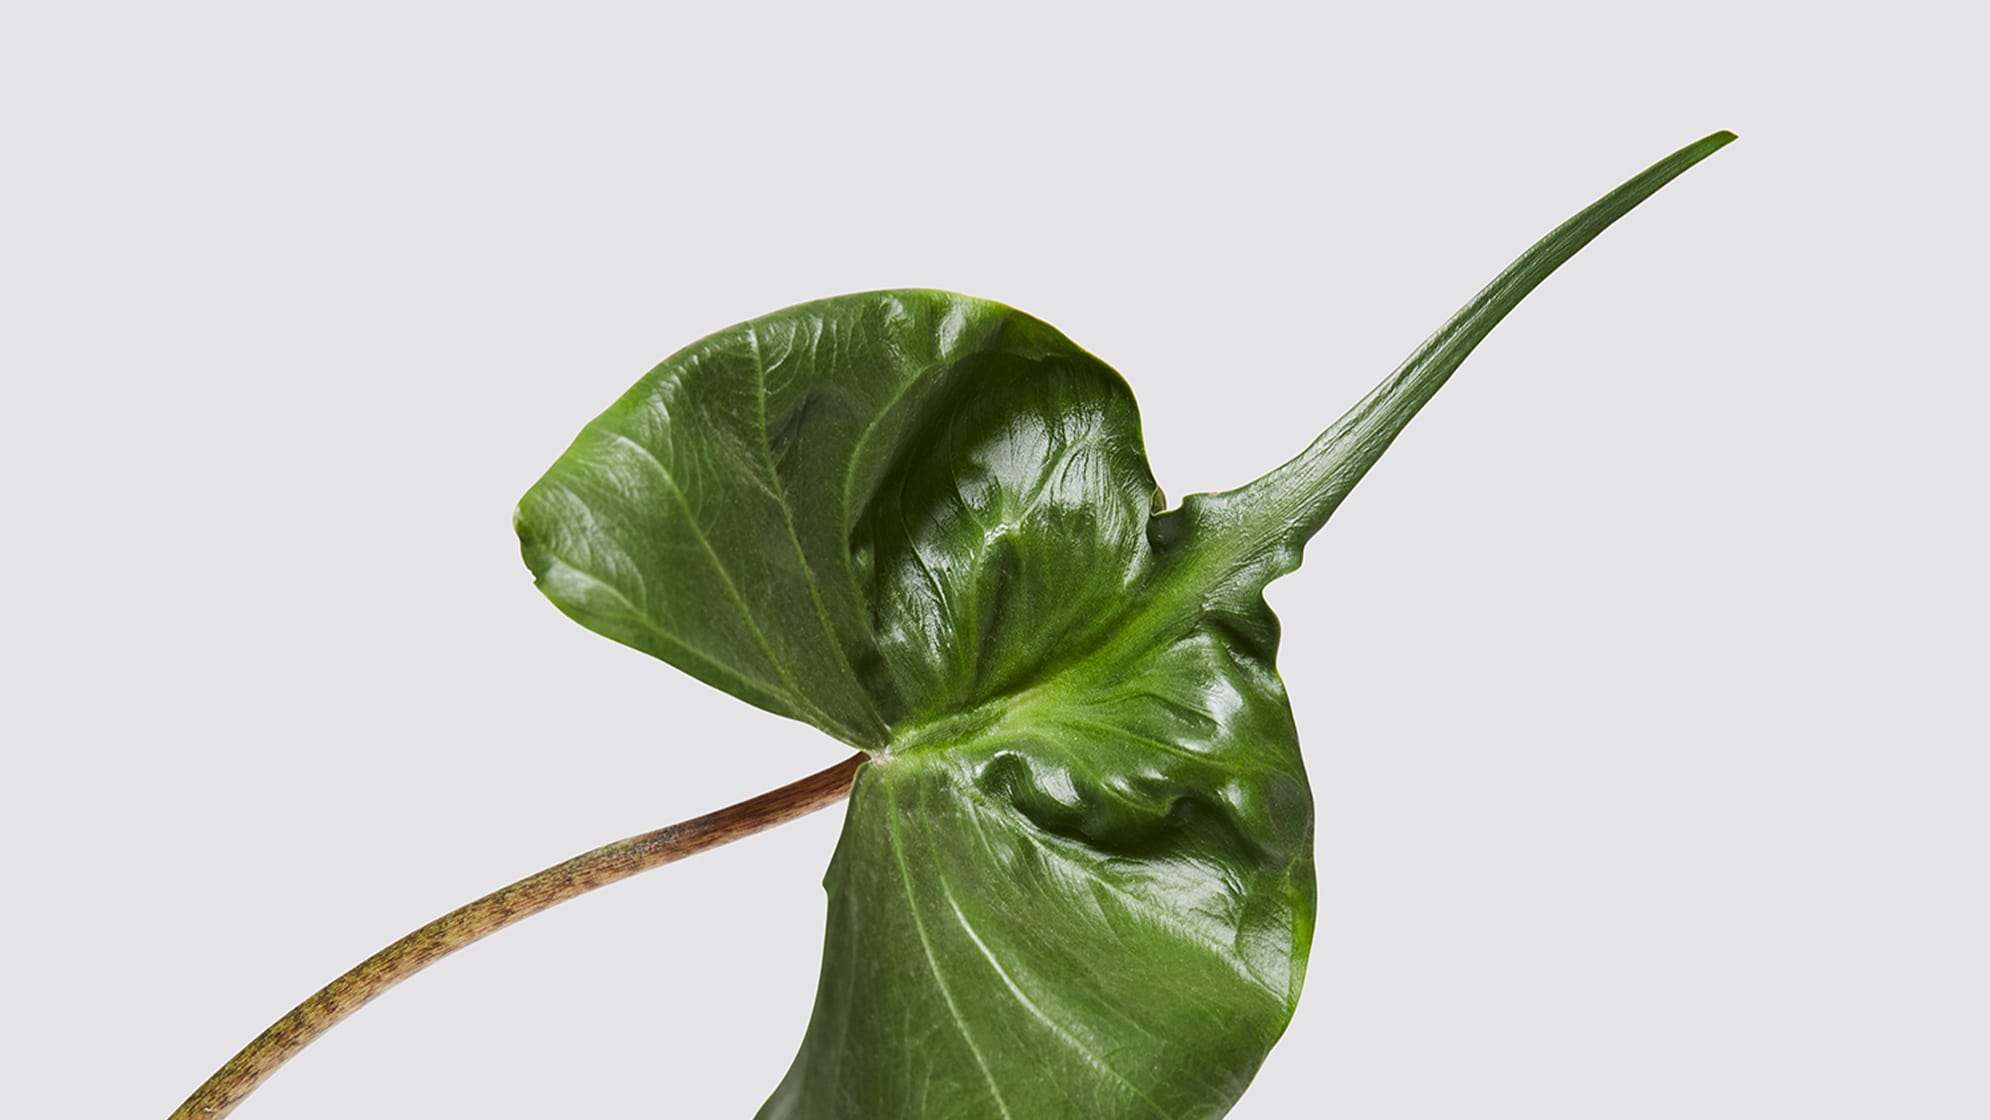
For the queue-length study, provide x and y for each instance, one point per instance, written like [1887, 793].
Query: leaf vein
[806, 706]
[753, 684]
[932, 962]
[794, 538]
[1076, 1044]
[1157, 913]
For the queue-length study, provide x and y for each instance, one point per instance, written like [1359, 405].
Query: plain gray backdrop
[1641, 685]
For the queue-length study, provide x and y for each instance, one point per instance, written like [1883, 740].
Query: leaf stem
[493, 912]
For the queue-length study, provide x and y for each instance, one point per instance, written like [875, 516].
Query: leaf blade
[1075, 878]
[704, 517]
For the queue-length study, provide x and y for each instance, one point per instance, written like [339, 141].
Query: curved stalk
[478, 920]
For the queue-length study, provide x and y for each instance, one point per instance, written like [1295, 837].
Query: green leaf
[1076, 877]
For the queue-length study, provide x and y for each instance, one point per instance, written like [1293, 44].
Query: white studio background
[1641, 684]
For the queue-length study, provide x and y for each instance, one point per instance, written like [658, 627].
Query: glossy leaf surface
[1075, 879]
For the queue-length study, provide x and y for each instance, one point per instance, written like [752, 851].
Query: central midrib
[1172, 608]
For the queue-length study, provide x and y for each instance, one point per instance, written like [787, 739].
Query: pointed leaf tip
[1287, 506]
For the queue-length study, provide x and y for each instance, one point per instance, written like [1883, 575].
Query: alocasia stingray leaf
[1075, 879]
